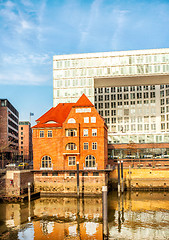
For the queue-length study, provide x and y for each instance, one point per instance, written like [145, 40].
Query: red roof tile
[57, 115]
[83, 102]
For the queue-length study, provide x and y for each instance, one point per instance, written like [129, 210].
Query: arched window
[71, 146]
[71, 120]
[46, 162]
[90, 161]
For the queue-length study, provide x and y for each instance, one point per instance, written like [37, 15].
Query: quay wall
[63, 184]
[142, 179]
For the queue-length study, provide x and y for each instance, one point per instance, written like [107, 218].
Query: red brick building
[67, 134]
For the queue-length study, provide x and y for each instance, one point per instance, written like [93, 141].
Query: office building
[9, 120]
[130, 89]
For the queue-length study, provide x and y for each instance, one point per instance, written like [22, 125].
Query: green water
[141, 215]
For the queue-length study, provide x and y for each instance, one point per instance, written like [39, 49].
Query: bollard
[29, 191]
[118, 178]
[78, 192]
[105, 217]
[122, 184]
[129, 177]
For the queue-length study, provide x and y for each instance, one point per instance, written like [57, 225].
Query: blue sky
[31, 32]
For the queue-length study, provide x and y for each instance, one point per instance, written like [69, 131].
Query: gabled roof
[83, 102]
[56, 116]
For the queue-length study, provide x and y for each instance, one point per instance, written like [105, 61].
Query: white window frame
[86, 119]
[94, 132]
[50, 133]
[85, 132]
[41, 134]
[94, 146]
[93, 119]
[85, 146]
[71, 161]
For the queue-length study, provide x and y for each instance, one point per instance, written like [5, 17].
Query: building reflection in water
[136, 215]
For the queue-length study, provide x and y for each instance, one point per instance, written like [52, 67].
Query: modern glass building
[130, 89]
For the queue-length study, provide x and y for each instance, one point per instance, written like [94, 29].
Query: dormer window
[71, 120]
[71, 132]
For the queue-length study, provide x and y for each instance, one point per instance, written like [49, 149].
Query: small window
[94, 146]
[85, 146]
[85, 132]
[71, 132]
[21, 133]
[93, 119]
[72, 161]
[96, 174]
[94, 132]
[41, 134]
[72, 174]
[21, 138]
[44, 174]
[21, 142]
[21, 128]
[85, 174]
[49, 133]
[54, 174]
[71, 120]
[86, 119]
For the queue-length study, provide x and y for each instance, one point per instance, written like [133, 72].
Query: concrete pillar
[105, 215]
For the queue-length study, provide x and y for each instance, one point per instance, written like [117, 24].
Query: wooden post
[122, 184]
[105, 215]
[118, 177]
[29, 191]
[78, 192]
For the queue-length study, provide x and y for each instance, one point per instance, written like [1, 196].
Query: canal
[135, 215]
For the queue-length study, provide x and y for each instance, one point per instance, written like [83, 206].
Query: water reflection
[139, 215]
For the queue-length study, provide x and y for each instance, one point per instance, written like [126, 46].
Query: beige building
[25, 140]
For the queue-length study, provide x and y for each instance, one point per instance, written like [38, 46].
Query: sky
[32, 32]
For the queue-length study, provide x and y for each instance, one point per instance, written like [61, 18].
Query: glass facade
[133, 113]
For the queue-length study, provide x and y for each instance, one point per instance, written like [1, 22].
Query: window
[107, 113]
[49, 133]
[93, 119]
[72, 161]
[106, 97]
[54, 174]
[94, 146]
[21, 133]
[95, 174]
[90, 161]
[41, 134]
[113, 104]
[94, 132]
[100, 97]
[85, 146]
[46, 162]
[85, 174]
[71, 146]
[71, 132]
[21, 128]
[100, 105]
[86, 119]
[21, 138]
[21, 142]
[107, 105]
[152, 95]
[72, 174]
[85, 132]
[44, 174]
[71, 120]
